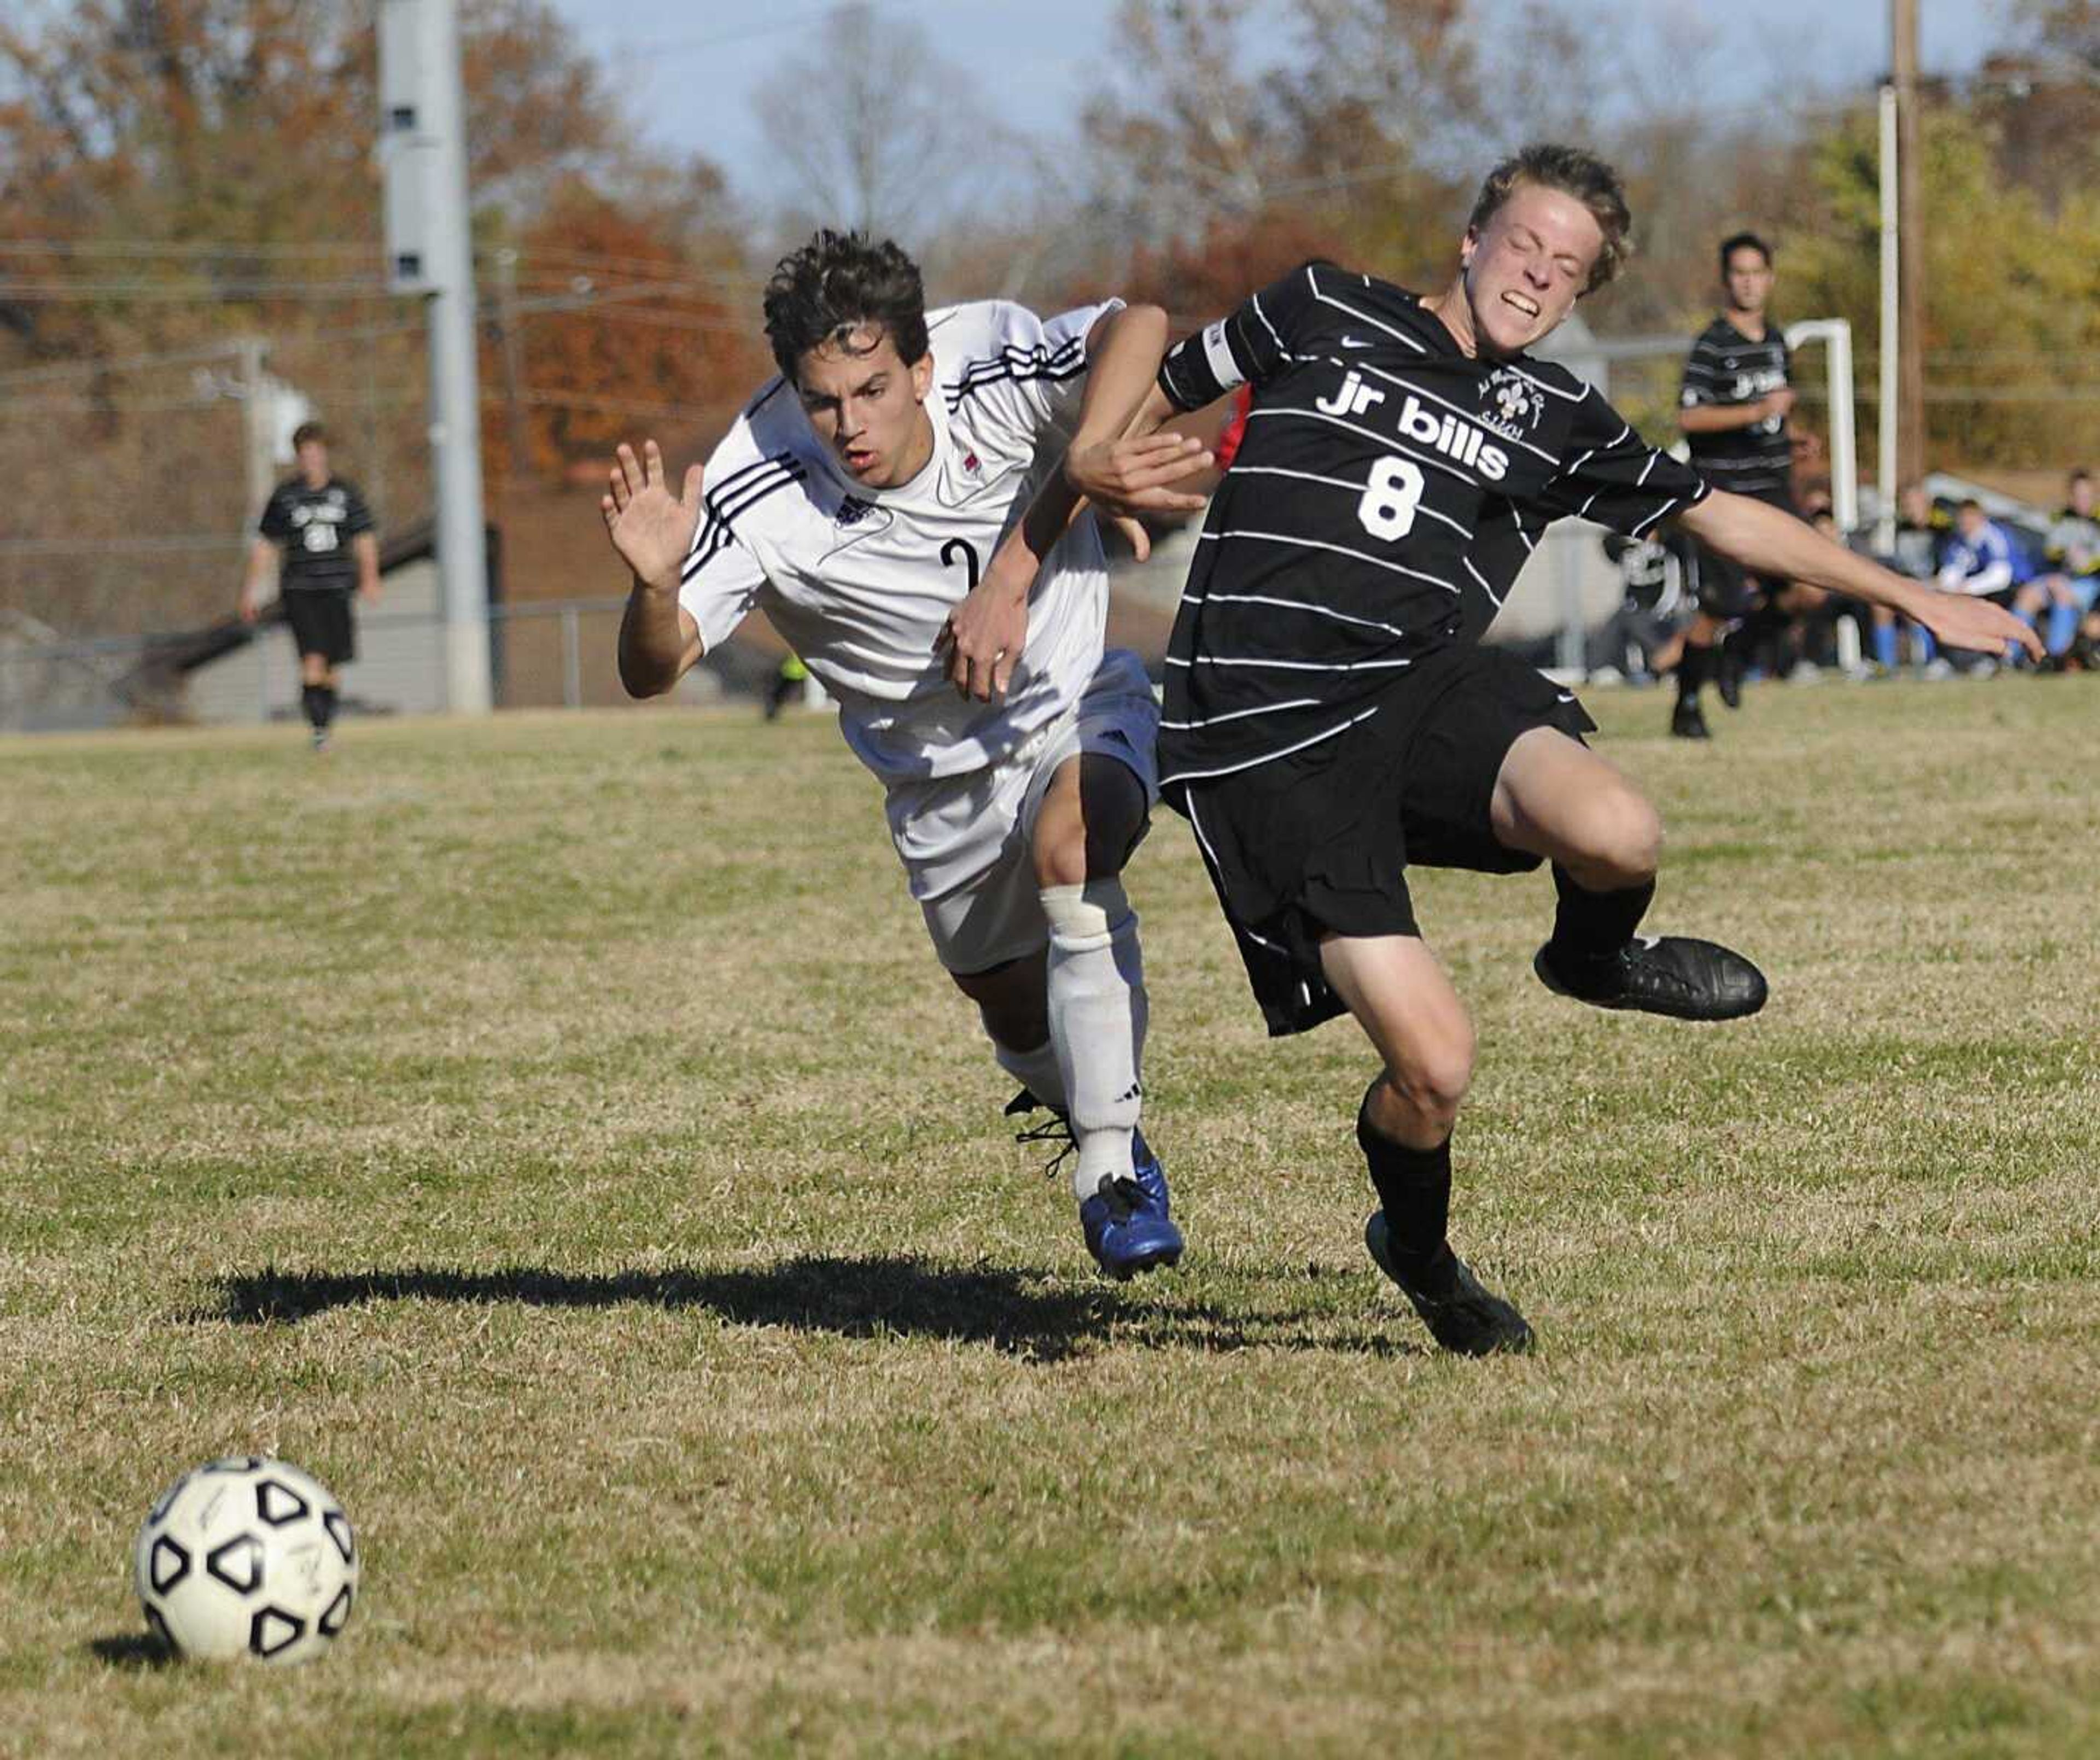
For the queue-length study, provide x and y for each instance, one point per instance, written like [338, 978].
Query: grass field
[553, 1133]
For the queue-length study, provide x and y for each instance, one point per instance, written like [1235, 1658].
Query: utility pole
[514, 365]
[1910, 220]
[429, 253]
[1885, 475]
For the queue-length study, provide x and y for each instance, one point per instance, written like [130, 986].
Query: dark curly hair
[1574, 173]
[834, 285]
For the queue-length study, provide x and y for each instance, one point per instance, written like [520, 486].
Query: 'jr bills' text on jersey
[860, 580]
[1388, 492]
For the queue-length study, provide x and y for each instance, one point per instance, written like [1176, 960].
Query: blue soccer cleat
[1126, 1223]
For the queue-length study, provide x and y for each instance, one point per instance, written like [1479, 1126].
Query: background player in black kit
[322, 529]
[1330, 718]
[1732, 406]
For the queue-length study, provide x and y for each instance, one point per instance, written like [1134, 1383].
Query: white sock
[1036, 1070]
[1097, 1018]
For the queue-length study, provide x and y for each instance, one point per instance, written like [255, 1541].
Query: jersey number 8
[1386, 510]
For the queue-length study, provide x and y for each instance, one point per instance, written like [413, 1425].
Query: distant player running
[1733, 406]
[861, 500]
[1330, 717]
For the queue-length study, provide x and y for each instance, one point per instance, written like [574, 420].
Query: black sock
[327, 695]
[310, 699]
[1693, 668]
[1589, 924]
[1413, 1187]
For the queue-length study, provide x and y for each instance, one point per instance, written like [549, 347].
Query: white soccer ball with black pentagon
[247, 1556]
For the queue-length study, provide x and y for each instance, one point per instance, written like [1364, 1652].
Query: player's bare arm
[1722, 418]
[1116, 460]
[652, 529]
[1761, 537]
[262, 565]
[364, 547]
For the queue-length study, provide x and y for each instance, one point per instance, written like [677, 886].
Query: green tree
[2012, 291]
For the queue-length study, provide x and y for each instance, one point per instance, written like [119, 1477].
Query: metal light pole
[1886, 476]
[429, 252]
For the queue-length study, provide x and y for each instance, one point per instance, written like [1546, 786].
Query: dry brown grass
[553, 1133]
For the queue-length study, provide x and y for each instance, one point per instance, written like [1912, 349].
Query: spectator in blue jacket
[1984, 560]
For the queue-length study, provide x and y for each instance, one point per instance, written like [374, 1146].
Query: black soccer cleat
[1674, 975]
[1687, 720]
[1462, 1314]
[1728, 677]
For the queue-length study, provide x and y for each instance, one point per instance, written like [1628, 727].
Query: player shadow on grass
[1025, 1313]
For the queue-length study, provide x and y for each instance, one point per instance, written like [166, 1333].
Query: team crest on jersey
[852, 510]
[1514, 405]
[971, 465]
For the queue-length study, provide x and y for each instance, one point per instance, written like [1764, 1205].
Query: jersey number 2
[969, 556]
[1386, 510]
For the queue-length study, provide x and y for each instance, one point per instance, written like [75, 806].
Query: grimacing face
[1527, 265]
[867, 404]
[1748, 280]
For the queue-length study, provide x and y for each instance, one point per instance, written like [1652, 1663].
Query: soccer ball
[247, 1553]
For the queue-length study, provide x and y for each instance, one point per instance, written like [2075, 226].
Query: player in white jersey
[878, 502]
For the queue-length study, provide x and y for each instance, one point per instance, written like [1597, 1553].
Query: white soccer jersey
[860, 580]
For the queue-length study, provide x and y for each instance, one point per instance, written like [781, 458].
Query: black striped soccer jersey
[1389, 489]
[859, 581]
[314, 527]
[1726, 367]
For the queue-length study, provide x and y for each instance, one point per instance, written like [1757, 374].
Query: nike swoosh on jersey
[1356, 341]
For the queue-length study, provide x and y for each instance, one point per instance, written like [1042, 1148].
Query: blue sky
[687, 71]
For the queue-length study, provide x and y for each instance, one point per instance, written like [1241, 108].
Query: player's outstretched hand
[651, 527]
[1133, 475]
[1960, 621]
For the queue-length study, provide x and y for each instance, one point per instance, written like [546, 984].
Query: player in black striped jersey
[1330, 717]
[1732, 407]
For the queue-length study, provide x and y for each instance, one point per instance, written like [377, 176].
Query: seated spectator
[2068, 591]
[1983, 560]
[1921, 531]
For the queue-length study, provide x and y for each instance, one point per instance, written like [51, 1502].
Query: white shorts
[992, 914]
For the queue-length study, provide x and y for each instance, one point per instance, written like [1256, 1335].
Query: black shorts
[321, 624]
[1728, 591]
[1320, 842]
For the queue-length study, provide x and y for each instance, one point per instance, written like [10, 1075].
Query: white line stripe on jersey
[1575, 396]
[1291, 666]
[1218, 877]
[1516, 519]
[1267, 757]
[1338, 549]
[1254, 301]
[1357, 489]
[1495, 597]
[1290, 605]
[1241, 715]
[1389, 442]
[1669, 506]
[1376, 323]
[1219, 353]
[1569, 470]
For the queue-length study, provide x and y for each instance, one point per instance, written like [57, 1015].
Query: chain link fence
[556, 654]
